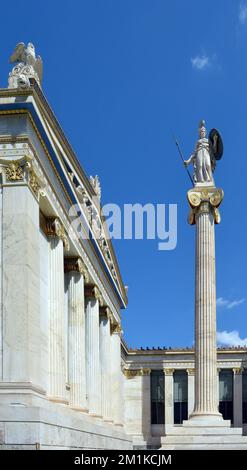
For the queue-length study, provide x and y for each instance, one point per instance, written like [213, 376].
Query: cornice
[48, 115]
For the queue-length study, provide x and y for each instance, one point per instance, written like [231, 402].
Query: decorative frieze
[76, 265]
[54, 228]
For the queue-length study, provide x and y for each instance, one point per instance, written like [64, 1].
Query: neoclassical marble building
[67, 378]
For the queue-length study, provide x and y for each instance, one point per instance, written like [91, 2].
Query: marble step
[197, 431]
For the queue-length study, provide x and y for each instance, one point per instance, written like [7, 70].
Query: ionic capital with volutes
[204, 200]
[54, 228]
[74, 264]
[92, 292]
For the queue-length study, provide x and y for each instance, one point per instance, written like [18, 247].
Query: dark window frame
[157, 388]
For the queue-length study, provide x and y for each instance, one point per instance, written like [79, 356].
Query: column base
[79, 408]
[60, 400]
[207, 419]
[95, 415]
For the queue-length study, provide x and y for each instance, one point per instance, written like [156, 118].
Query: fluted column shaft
[93, 370]
[116, 375]
[57, 321]
[77, 356]
[205, 315]
[105, 360]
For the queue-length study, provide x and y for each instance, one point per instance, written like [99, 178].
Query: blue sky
[121, 76]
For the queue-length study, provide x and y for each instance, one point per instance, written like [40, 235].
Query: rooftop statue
[204, 157]
[28, 66]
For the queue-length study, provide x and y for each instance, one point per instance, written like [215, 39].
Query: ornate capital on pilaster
[105, 312]
[168, 371]
[190, 371]
[54, 228]
[204, 200]
[23, 171]
[76, 264]
[132, 373]
[237, 370]
[146, 371]
[92, 292]
[14, 171]
[116, 329]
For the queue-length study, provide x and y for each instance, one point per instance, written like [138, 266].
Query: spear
[182, 158]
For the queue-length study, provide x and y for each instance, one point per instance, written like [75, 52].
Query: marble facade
[67, 378]
[61, 295]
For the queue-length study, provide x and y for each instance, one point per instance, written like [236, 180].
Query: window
[244, 378]
[157, 397]
[180, 396]
[226, 394]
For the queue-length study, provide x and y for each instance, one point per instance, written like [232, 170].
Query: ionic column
[105, 359]
[191, 390]
[116, 404]
[58, 240]
[204, 203]
[169, 405]
[237, 398]
[75, 274]
[93, 368]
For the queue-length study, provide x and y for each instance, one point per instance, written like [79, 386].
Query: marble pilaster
[20, 284]
[191, 390]
[169, 406]
[146, 397]
[237, 398]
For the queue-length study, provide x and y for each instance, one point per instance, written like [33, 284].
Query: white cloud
[229, 304]
[200, 62]
[243, 12]
[230, 338]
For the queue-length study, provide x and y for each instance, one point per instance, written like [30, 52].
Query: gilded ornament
[14, 172]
